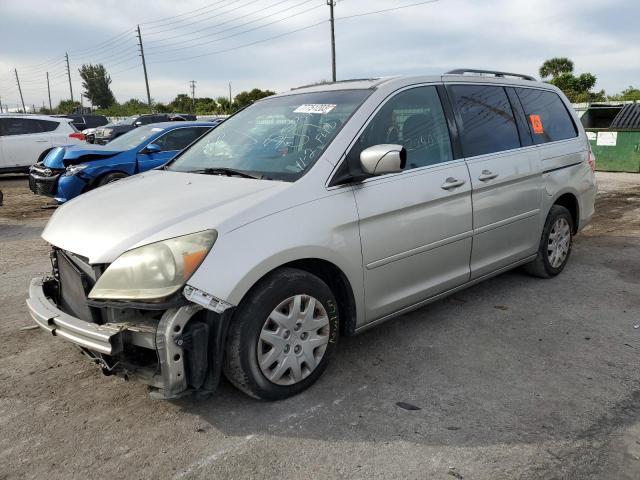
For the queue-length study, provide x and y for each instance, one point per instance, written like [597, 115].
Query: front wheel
[555, 244]
[110, 178]
[282, 335]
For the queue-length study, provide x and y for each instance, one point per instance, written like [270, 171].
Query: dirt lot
[514, 378]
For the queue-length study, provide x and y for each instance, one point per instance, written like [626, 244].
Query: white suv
[24, 139]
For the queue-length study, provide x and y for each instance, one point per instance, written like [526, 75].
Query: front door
[170, 144]
[23, 140]
[505, 176]
[415, 226]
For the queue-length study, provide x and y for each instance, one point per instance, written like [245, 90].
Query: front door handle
[451, 183]
[487, 175]
[42, 141]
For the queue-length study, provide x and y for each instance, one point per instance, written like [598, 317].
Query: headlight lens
[73, 169]
[106, 131]
[154, 271]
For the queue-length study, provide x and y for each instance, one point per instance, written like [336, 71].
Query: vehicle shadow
[502, 362]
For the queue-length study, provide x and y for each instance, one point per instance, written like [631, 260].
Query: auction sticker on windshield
[321, 108]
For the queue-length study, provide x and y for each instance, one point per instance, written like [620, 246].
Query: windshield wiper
[226, 171]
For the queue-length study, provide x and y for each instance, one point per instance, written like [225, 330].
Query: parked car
[110, 131]
[312, 214]
[68, 171]
[83, 122]
[25, 139]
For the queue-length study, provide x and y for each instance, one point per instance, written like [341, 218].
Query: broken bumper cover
[105, 339]
[167, 337]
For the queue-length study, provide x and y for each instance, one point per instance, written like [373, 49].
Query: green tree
[247, 98]
[556, 66]
[206, 106]
[578, 88]
[181, 104]
[628, 94]
[96, 81]
[224, 106]
[67, 107]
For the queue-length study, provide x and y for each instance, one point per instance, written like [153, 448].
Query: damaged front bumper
[188, 352]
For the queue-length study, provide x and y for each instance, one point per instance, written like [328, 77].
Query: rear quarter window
[547, 115]
[488, 123]
[48, 125]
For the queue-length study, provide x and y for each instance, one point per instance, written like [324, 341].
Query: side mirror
[138, 123]
[151, 148]
[384, 158]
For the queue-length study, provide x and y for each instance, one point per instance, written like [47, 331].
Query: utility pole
[49, 92]
[332, 4]
[144, 67]
[230, 99]
[1, 111]
[193, 95]
[66, 56]
[20, 90]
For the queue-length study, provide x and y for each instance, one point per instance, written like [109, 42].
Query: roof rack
[462, 71]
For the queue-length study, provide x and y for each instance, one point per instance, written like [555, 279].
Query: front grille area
[43, 180]
[74, 286]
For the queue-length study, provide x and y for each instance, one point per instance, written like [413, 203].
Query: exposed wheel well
[337, 281]
[97, 180]
[570, 202]
[44, 154]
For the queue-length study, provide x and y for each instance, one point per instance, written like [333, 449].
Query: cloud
[512, 35]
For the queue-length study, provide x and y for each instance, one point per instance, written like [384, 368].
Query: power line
[250, 44]
[386, 10]
[206, 7]
[232, 20]
[217, 13]
[101, 44]
[239, 33]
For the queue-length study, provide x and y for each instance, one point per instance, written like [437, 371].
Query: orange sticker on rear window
[536, 123]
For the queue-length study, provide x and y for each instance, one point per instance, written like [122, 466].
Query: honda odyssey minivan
[313, 214]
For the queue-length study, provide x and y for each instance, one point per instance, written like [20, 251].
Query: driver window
[414, 119]
[178, 139]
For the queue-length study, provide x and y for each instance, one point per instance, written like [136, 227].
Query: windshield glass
[127, 121]
[276, 138]
[134, 138]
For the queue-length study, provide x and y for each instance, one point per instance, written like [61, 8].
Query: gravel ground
[514, 378]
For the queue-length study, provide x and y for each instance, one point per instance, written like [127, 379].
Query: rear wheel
[110, 178]
[555, 244]
[282, 335]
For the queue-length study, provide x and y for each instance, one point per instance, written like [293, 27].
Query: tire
[297, 345]
[546, 265]
[110, 178]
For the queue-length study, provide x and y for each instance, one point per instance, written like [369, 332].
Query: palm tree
[556, 66]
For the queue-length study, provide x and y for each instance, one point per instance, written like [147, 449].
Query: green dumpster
[614, 134]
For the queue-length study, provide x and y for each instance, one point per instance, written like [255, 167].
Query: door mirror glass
[138, 123]
[383, 158]
[151, 148]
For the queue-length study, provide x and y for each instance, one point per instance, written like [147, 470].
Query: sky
[266, 43]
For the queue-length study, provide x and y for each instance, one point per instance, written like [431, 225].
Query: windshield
[134, 138]
[276, 138]
[127, 121]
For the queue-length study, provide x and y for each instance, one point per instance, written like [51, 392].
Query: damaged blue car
[67, 171]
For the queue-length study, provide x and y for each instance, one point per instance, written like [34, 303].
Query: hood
[60, 157]
[149, 207]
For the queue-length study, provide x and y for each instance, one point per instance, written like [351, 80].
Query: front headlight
[154, 271]
[106, 132]
[73, 169]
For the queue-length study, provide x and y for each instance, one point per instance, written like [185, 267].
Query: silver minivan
[312, 214]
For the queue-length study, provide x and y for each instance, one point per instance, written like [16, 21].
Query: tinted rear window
[547, 115]
[19, 126]
[488, 124]
[47, 125]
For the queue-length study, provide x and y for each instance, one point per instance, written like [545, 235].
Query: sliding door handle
[487, 175]
[451, 183]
